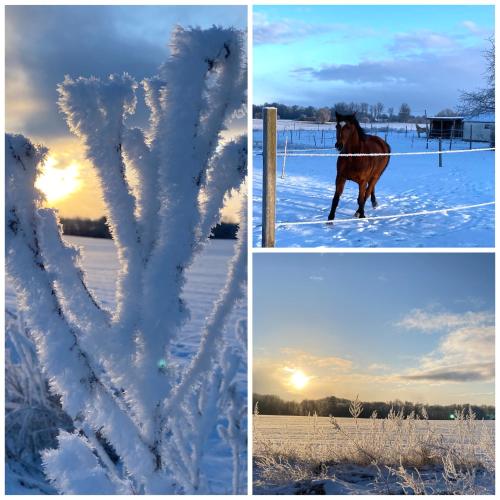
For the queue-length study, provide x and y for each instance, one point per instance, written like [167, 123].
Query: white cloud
[421, 40]
[475, 29]
[285, 30]
[432, 322]
[466, 350]
[316, 278]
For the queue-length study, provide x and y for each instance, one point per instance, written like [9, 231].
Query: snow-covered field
[206, 278]
[310, 455]
[410, 184]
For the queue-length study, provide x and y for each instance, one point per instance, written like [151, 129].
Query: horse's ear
[337, 115]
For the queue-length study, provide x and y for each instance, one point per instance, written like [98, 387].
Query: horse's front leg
[339, 189]
[370, 192]
[361, 201]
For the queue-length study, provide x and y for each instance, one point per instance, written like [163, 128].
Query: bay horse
[364, 170]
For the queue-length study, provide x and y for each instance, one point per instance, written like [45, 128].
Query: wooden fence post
[269, 178]
[440, 154]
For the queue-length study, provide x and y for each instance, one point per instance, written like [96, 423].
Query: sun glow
[298, 379]
[58, 183]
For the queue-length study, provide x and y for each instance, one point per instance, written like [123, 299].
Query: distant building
[445, 126]
[480, 128]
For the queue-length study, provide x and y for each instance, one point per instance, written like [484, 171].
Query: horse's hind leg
[374, 199]
[339, 189]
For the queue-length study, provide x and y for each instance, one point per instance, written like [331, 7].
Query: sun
[298, 379]
[58, 183]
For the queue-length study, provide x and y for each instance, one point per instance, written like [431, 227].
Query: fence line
[410, 153]
[270, 155]
[382, 217]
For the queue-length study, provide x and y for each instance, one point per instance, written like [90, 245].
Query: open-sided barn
[445, 126]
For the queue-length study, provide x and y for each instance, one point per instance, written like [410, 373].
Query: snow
[305, 455]
[205, 279]
[410, 184]
[349, 479]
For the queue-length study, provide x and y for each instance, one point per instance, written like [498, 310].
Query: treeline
[365, 112]
[93, 228]
[338, 407]
[98, 228]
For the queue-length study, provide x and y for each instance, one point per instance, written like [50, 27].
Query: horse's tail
[388, 158]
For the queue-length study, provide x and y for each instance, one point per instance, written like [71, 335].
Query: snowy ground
[205, 279]
[410, 184]
[306, 455]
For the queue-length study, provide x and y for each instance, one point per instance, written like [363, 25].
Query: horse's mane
[362, 134]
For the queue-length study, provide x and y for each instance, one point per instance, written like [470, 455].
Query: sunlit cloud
[21, 101]
[307, 359]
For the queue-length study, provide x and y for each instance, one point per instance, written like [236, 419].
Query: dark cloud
[463, 373]
[428, 67]
[429, 80]
[45, 43]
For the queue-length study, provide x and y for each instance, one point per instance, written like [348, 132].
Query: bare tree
[447, 112]
[475, 102]
[323, 115]
[404, 112]
[373, 112]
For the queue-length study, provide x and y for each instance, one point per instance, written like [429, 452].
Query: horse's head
[345, 127]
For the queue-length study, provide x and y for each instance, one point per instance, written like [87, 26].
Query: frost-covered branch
[141, 421]
[95, 111]
[144, 166]
[63, 263]
[228, 169]
[233, 291]
[83, 394]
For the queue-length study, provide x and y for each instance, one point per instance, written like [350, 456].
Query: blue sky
[319, 55]
[415, 327]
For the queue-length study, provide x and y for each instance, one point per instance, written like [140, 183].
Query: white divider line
[411, 153]
[382, 217]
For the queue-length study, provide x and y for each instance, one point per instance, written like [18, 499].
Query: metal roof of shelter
[445, 117]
